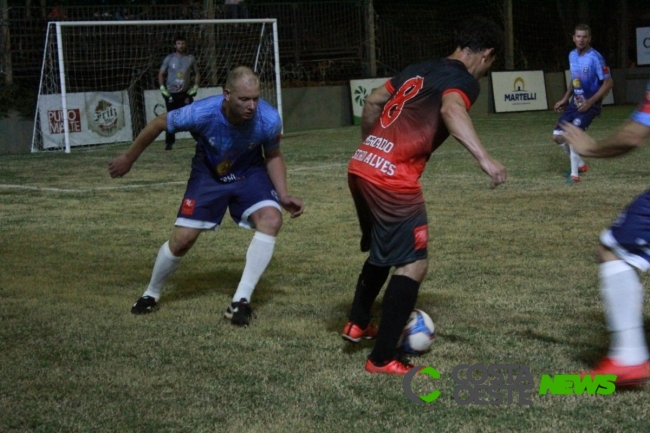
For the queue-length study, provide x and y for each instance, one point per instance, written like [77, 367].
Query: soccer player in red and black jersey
[403, 122]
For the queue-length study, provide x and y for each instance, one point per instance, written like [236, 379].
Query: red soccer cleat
[396, 366]
[354, 333]
[583, 169]
[626, 375]
[575, 179]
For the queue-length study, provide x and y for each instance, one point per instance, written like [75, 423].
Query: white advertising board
[359, 91]
[93, 118]
[519, 91]
[643, 46]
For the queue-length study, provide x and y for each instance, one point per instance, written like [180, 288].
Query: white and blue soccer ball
[418, 333]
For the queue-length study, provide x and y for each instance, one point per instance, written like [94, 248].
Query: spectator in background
[236, 9]
[122, 14]
[57, 13]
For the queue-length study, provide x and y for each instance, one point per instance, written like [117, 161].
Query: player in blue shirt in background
[623, 247]
[237, 166]
[582, 102]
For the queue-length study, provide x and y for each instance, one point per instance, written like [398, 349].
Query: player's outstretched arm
[460, 126]
[122, 164]
[372, 109]
[278, 173]
[630, 136]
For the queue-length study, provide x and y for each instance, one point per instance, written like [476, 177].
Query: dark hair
[179, 38]
[479, 34]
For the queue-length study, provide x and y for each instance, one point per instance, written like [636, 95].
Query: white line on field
[147, 185]
[310, 168]
[100, 188]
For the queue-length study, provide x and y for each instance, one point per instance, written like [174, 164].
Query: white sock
[575, 162]
[165, 266]
[622, 295]
[258, 257]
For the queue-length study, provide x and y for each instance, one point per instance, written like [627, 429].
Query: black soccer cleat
[145, 305]
[240, 313]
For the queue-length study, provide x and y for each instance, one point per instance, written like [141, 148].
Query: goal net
[104, 74]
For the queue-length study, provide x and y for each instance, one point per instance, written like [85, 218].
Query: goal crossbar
[249, 42]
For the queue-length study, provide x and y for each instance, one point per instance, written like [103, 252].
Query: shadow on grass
[592, 354]
[220, 281]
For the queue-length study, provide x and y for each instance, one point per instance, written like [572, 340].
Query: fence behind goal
[104, 75]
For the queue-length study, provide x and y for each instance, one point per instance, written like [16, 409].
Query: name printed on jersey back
[374, 159]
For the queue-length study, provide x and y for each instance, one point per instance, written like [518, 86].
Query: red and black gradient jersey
[410, 127]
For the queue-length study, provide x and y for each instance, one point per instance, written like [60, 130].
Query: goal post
[104, 74]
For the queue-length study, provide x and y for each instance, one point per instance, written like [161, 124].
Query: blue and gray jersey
[223, 150]
[588, 71]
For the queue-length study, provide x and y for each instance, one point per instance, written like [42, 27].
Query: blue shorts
[206, 200]
[629, 235]
[581, 120]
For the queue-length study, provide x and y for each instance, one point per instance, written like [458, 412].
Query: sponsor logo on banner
[55, 121]
[519, 92]
[105, 114]
[359, 91]
[93, 118]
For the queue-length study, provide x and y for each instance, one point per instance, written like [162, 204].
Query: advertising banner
[359, 91]
[93, 118]
[519, 91]
[643, 46]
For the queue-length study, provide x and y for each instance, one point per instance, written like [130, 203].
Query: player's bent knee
[604, 254]
[182, 240]
[416, 270]
[267, 220]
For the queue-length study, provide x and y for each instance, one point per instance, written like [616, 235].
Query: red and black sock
[399, 302]
[371, 280]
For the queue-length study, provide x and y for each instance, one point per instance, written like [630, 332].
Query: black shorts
[394, 225]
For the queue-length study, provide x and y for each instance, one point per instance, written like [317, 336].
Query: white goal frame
[59, 25]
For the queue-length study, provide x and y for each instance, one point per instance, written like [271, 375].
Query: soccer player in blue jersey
[237, 166]
[623, 247]
[582, 102]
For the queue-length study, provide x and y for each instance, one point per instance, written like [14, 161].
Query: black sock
[370, 282]
[399, 302]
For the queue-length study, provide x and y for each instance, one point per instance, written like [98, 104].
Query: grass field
[512, 279]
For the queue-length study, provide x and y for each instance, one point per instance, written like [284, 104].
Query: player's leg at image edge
[622, 295]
